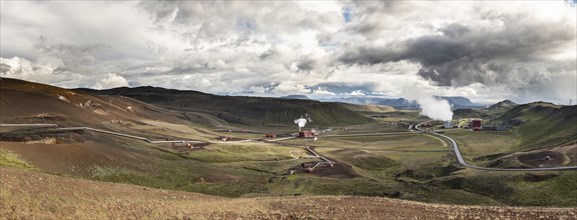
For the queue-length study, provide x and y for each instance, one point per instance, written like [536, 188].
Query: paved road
[373, 134]
[465, 164]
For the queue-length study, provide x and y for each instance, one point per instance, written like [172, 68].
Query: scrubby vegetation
[9, 159]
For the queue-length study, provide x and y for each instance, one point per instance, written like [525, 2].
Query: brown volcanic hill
[242, 110]
[32, 195]
[78, 152]
[27, 102]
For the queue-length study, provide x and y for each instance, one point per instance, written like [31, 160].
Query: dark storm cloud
[369, 56]
[47, 45]
[306, 64]
[73, 56]
[268, 53]
[279, 16]
[462, 55]
[377, 16]
[455, 30]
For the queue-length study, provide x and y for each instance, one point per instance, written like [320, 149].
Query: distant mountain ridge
[502, 105]
[457, 102]
[81, 107]
[242, 109]
[304, 97]
[460, 102]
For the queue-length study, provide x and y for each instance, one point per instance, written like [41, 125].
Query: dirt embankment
[542, 159]
[32, 195]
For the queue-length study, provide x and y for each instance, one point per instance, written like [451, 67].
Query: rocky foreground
[33, 195]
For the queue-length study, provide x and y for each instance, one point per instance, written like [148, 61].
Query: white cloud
[230, 47]
[322, 92]
[290, 89]
[45, 70]
[111, 80]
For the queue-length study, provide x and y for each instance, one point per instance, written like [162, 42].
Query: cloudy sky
[486, 51]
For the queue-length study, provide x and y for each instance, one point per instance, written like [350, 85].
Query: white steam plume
[438, 109]
[303, 120]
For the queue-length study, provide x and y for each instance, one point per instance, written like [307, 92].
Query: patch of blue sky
[348, 15]
[245, 24]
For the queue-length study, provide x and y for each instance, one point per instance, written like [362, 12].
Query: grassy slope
[128, 161]
[536, 125]
[541, 125]
[368, 108]
[468, 113]
[31, 195]
[243, 110]
[554, 189]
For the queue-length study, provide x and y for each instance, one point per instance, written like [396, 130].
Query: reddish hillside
[28, 102]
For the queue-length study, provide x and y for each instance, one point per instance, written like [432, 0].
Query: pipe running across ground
[324, 159]
[58, 129]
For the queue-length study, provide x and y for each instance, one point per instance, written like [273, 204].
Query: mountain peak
[295, 97]
[503, 104]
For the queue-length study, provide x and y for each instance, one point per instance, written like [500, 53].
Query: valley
[184, 142]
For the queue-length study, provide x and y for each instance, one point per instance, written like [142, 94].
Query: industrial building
[503, 127]
[498, 126]
[271, 135]
[476, 124]
[306, 134]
